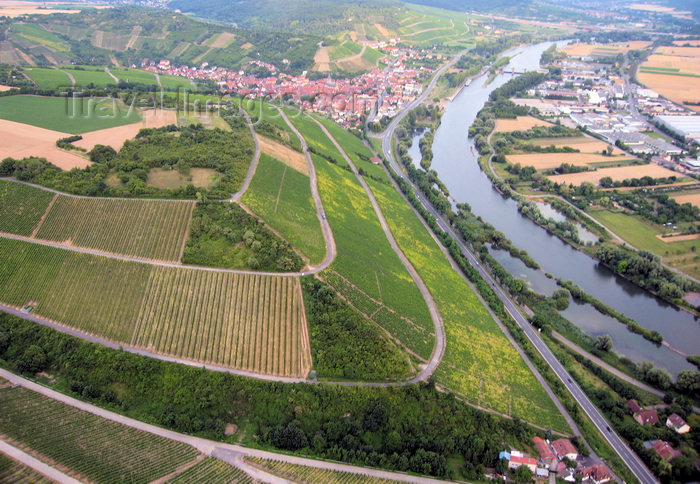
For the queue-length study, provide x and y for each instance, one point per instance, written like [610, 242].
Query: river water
[457, 166]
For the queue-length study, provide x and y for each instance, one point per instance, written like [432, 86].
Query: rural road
[253, 163]
[628, 456]
[33, 463]
[230, 453]
[440, 340]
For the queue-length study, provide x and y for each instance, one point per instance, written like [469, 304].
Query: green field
[297, 473]
[250, 322]
[90, 446]
[355, 149]
[133, 76]
[140, 228]
[85, 75]
[346, 49]
[267, 112]
[366, 259]
[211, 471]
[21, 207]
[479, 364]
[13, 472]
[642, 235]
[47, 78]
[373, 55]
[282, 197]
[172, 83]
[36, 34]
[66, 116]
[315, 137]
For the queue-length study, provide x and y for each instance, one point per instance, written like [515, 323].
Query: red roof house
[517, 461]
[676, 422]
[665, 450]
[597, 473]
[633, 407]
[543, 449]
[564, 448]
[647, 417]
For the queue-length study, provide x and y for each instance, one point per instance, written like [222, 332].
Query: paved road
[440, 340]
[253, 163]
[628, 456]
[29, 461]
[228, 452]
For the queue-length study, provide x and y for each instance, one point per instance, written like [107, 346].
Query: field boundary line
[32, 462]
[279, 192]
[253, 164]
[187, 233]
[43, 217]
[179, 470]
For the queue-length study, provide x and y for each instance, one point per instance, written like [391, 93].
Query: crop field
[692, 198]
[140, 228]
[315, 137]
[85, 75]
[617, 174]
[603, 50]
[282, 197]
[521, 123]
[89, 446]
[172, 83]
[297, 473]
[21, 207]
[166, 178]
[13, 472]
[263, 111]
[477, 350]
[644, 236]
[546, 161]
[355, 149]
[133, 76]
[292, 158]
[47, 78]
[673, 72]
[345, 49]
[60, 114]
[251, 322]
[211, 471]
[582, 143]
[365, 258]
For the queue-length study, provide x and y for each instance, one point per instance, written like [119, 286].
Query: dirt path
[253, 164]
[116, 79]
[46, 212]
[70, 76]
[351, 57]
[440, 340]
[29, 461]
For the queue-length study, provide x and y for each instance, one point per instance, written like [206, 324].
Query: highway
[635, 464]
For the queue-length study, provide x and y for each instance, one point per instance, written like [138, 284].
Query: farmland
[521, 123]
[288, 156]
[316, 139]
[616, 174]
[366, 260]
[58, 114]
[673, 72]
[21, 207]
[47, 78]
[88, 446]
[141, 228]
[211, 471]
[687, 197]
[12, 472]
[602, 50]
[297, 473]
[547, 161]
[249, 322]
[282, 197]
[584, 144]
[477, 349]
[645, 236]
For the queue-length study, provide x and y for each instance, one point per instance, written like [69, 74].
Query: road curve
[209, 447]
[253, 163]
[635, 464]
[440, 341]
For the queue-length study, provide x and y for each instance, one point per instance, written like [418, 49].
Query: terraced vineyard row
[140, 228]
[12, 472]
[259, 326]
[211, 471]
[21, 207]
[297, 473]
[251, 322]
[90, 446]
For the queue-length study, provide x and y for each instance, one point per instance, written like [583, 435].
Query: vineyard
[297, 473]
[21, 207]
[479, 363]
[282, 197]
[251, 322]
[12, 472]
[139, 228]
[87, 445]
[366, 260]
[211, 471]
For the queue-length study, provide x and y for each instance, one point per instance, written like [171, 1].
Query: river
[458, 168]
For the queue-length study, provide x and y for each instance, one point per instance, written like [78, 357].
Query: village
[560, 458]
[379, 92]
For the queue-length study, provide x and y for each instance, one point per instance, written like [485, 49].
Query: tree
[102, 153]
[523, 474]
[32, 360]
[688, 381]
[604, 342]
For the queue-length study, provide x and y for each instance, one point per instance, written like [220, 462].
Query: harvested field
[223, 40]
[675, 88]
[582, 50]
[322, 60]
[288, 156]
[693, 199]
[617, 174]
[582, 143]
[546, 161]
[690, 52]
[520, 123]
[678, 238]
[5, 88]
[383, 30]
[247, 45]
[11, 8]
[116, 136]
[249, 322]
[199, 177]
[673, 72]
[19, 140]
[694, 43]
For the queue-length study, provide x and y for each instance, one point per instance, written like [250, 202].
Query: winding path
[440, 340]
[253, 163]
[230, 453]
